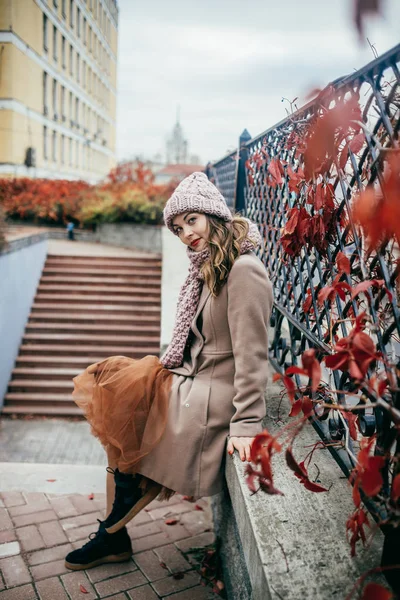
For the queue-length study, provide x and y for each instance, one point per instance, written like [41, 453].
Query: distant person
[70, 230]
[167, 424]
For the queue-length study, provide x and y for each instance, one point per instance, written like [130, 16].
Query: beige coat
[219, 389]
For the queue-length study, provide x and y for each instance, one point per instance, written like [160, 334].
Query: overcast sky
[228, 63]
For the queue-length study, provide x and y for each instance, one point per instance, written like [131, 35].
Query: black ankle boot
[102, 548]
[129, 500]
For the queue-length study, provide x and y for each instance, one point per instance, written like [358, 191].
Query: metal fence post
[241, 182]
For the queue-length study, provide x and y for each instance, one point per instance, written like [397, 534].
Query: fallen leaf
[374, 591]
[83, 589]
[178, 575]
[171, 521]
[163, 565]
[198, 507]
[91, 496]
[51, 480]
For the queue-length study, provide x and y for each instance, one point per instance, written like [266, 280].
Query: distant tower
[177, 146]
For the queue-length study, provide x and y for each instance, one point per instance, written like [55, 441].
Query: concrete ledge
[293, 546]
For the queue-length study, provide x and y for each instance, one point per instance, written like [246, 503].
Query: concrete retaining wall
[292, 546]
[129, 235]
[21, 265]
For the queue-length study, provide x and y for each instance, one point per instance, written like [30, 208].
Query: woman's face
[193, 230]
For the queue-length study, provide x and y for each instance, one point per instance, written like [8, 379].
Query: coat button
[187, 405]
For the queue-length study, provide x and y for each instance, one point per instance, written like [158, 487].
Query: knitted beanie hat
[196, 193]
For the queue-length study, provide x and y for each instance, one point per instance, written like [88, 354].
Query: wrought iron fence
[244, 178]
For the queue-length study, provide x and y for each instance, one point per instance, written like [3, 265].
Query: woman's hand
[242, 445]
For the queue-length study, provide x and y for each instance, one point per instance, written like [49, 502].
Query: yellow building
[58, 62]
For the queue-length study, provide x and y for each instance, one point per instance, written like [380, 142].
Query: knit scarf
[189, 297]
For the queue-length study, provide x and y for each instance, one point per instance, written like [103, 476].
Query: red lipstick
[195, 242]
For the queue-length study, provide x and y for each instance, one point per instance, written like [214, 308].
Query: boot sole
[112, 558]
[148, 497]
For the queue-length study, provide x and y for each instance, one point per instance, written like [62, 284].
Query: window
[45, 33]
[89, 79]
[64, 9]
[71, 13]
[45, 143]
[90, 39]
[55, 115]
[84, 31]
[71, 60]
[62, 103]
[77, 112]
[55, 40]
[77, 154]
[64, 52]
[83, 74]
[78, 22]
[62, 149]
[71, 120]
[45, 85]
[55, 4]
[54, 146]
[70, 152]
[78, 64]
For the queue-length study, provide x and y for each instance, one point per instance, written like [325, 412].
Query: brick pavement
[37, 530]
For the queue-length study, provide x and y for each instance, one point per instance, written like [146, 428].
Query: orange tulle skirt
[126, 403]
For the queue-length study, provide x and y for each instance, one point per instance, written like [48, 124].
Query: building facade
[58, 61]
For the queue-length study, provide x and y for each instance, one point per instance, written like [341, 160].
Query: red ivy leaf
[343, 263]
[374, 591]
[396, 488]
[51, 480]
[83, 589]
[296, 408]
[171, 521]
[301, 473]
[357, 143]
[371, 478]
[91, 496]
[198, 507]
[275, 168]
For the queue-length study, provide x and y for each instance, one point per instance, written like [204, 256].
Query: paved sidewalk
[38, 529]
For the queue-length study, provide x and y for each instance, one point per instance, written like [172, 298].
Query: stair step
[32, 407]
[39, 385]
[40, 297]
[84, 350]
[88, 338]
[103, 264]
[138, 310]
[148, 330]
[68, 362]
[101, 289]
[43, 372]
[142, 256]
[129, 281]
[148, 273]
[39, 397]
[106, 318]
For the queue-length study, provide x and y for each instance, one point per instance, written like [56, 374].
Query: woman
[165, 422]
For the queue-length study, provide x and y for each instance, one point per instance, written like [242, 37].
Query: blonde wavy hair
[225, 241]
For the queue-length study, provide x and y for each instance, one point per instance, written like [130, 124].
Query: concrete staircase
[86, 308]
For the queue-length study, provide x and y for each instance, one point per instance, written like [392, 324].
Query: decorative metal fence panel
[300, 265]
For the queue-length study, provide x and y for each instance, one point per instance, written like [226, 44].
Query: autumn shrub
[128, 194]
[2, 229]
[41, 200]
[130, 205]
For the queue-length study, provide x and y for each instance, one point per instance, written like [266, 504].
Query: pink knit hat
[196, 193]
